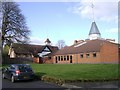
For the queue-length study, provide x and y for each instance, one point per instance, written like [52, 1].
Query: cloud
[104, 11]
[37, 41]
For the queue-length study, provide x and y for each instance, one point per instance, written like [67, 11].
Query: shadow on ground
[39, 75]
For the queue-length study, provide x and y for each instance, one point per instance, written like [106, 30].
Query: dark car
[16, 72]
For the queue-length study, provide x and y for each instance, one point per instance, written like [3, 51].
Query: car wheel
[3, 76]
[12, 79]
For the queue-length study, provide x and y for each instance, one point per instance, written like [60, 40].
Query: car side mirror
[3, 69]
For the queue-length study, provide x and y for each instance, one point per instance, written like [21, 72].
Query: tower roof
[94, 29]
[47, 41]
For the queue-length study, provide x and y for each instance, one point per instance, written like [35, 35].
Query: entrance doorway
[71, 59]
[56, 61]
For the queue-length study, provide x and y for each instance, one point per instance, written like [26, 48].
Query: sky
[67, 20]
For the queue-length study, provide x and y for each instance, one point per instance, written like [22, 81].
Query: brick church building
[92, 50]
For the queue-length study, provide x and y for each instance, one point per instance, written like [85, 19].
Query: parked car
[16, 72]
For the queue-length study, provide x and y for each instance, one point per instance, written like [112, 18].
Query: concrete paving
[109, 84]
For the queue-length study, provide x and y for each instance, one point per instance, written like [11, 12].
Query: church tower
[48, 42]
[94, 31]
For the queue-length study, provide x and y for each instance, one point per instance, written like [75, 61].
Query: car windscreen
[25, 68]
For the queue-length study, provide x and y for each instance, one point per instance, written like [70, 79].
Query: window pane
[61, 58]
[67, 57]
[49, 57]
[87, 55]
[25, 68]
[70, 57]
[81, 55]
[94, 55]
[56, 57]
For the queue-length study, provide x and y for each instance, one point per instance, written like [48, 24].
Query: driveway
[28, 84]
[6, 84]
[40, 84]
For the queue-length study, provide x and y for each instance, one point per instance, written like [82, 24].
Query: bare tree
[61, 44]
[14, 28]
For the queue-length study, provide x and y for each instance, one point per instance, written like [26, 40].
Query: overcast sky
[69, 21]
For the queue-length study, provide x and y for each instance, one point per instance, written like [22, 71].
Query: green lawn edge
[65, 73]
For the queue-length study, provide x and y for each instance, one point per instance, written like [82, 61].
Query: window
[67, 57]
[87, 55]
[64, 58]
[56, 58]
[94, 55]
[61, 58]
[81, 55]
[12, 67]
[24, 68]
[49, 57]
[46, 49]
[70, 57]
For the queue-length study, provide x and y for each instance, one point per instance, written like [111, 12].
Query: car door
[10, 71]
[7, 72]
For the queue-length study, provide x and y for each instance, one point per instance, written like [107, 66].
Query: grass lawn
[78, 71]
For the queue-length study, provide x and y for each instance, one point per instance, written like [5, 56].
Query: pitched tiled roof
[52, 48]
[33, 49]
[84, 47]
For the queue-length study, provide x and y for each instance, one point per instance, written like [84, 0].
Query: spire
[94, 29]
[94, 32]
[92, 6]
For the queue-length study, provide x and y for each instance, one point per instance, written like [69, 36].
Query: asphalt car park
[22, 78]
[28, 84]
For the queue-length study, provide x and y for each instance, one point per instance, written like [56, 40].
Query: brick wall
[109, 53]
[48, 60]
[90, 59]
[38, 60]
[77, 59]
